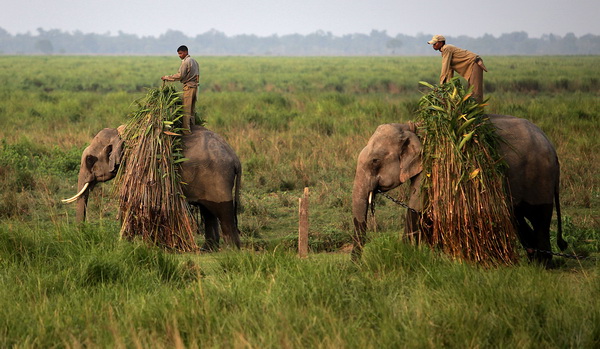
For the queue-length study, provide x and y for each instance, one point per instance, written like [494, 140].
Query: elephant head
[99, 163]
[391, 157]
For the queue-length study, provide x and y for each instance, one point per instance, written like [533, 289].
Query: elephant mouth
[382, 189]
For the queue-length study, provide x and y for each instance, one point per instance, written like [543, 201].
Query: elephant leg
[417, 226]
[195, 211]
[524, 231]
[540, 217]
[535, 238]
[226, 215]
[211, 230]
[228, 220]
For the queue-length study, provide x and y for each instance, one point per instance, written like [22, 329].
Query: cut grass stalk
[468, 211]
[151, 201]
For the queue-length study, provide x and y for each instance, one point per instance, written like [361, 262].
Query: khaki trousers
[189, 106]
[476, 80]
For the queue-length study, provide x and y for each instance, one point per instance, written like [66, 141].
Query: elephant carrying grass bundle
[151, 200]
[467, 211]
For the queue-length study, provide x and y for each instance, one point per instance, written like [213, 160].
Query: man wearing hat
[466, 63]
[188, 76]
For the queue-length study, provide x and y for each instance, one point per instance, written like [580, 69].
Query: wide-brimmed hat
[435, 39]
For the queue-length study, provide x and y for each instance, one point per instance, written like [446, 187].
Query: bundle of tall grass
[467, 211]
[151, 201]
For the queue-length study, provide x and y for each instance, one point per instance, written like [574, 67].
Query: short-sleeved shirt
[456, 59]
[188, 72]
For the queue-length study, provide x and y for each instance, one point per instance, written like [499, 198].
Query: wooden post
[303, 225]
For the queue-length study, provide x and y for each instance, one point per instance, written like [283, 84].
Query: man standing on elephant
[188, 75]
[469, 65]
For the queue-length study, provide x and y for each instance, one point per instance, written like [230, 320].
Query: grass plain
[294, 122]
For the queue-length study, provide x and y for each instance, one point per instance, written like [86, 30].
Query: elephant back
[211, 168]
[533, 168]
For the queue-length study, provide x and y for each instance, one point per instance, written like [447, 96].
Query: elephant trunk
[84, 186]
[362, 194]
[82, 206]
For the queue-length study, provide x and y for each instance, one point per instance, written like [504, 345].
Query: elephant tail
[562, 244]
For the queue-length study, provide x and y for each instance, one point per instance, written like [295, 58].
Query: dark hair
[182, 48]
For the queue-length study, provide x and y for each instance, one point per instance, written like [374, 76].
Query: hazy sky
[266, 17]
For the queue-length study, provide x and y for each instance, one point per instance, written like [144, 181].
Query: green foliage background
[294, 122]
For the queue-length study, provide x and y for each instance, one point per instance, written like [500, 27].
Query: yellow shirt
[188, 72]
[454, 58]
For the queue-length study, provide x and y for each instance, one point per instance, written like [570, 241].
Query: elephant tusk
[70, 200]
[370, 197]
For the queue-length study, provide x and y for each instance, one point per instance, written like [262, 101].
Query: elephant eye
[375, 163]
[109, 150]
[90, 160]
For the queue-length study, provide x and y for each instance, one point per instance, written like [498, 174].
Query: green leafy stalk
[467, 203]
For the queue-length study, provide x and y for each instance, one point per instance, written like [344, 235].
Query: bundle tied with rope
[151, 201]
[467, 211]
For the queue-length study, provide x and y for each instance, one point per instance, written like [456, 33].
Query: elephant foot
[541, 258]
[209, 248]
[356, 254]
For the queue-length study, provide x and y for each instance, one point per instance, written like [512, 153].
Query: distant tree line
[319, 43]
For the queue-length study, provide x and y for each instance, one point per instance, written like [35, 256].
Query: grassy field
[294, 122]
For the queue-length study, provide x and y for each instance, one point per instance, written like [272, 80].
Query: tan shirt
[454, 58]
[188, 72]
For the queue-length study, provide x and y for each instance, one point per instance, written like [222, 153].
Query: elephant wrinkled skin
[212, 175]
[392, 157]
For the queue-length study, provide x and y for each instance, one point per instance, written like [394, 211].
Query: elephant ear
[115, 151]
[410, 156]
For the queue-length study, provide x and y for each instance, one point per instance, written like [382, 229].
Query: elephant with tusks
[392, 157]
[212, 175]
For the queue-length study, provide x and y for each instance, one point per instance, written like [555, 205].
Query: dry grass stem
[151, 201]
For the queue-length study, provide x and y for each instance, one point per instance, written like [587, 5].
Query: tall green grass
[294, 122]
[83, 287]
